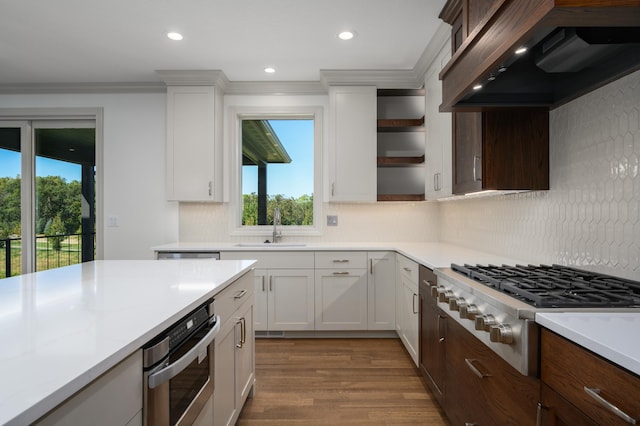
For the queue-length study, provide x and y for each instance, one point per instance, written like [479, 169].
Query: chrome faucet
[277, 222]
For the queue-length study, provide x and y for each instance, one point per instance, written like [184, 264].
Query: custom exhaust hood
[566, 48]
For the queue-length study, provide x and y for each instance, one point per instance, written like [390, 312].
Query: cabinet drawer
[273, 259]
[232, 297]
[572, 370]
[408, 268]
[341, 260]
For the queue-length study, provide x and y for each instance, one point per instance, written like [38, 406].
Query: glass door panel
[64, 194]
[10, 201]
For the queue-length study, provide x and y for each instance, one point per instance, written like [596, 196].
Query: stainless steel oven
[178, 369]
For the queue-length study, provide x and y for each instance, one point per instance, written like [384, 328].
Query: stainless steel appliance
[497, 304]
[178, 369]
[167, 255]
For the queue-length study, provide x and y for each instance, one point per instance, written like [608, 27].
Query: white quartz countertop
[60, 329]
[612, 335]
[431, 255]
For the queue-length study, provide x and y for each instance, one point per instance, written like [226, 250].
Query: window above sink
[276, 161]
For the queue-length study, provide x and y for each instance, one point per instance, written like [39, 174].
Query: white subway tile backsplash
[590, 216]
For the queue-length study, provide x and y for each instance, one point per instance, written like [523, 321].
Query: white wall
[375, 222]
[134, 167]
[591, 215]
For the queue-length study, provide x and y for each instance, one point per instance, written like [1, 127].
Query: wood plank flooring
[338, 382]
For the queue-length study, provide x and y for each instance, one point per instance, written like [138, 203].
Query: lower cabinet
[284, 289]
[581, 388]
[115, 398]
[381, 290]
[407, 305]
[341, 290]
[284, 299]
[234, 352]
[323, 290]
[433, 332]
[482, 388]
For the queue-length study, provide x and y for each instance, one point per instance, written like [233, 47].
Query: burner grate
[556, 286]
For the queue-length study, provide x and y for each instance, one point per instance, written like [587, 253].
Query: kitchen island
[63, 328]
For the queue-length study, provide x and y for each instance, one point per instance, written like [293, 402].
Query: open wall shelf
[401, 144]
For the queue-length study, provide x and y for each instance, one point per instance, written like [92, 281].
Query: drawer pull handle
[340, 260]
[406, 269]
[240, 294]
[341, 273]
[595, 394]
[474, 369]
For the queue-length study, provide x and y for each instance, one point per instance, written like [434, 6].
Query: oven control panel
[504, 325]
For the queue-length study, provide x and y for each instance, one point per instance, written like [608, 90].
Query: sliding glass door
[47, 194]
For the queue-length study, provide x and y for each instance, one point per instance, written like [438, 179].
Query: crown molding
[71, 88]
[440, 38]
[194, 78]
[383, 79]
[275, 88]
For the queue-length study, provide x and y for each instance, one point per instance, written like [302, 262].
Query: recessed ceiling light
[269, 70]
[346, 35]
[521, 50]
[174, 36]
[477, 87]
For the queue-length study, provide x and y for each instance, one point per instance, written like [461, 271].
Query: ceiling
[124, 41]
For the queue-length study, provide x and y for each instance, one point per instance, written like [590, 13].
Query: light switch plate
[332, 220]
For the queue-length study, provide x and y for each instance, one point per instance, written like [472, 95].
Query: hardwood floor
[338, 381]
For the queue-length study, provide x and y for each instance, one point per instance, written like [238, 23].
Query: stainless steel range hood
[570, 50]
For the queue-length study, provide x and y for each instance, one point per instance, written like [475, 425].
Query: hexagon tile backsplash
[590, 217]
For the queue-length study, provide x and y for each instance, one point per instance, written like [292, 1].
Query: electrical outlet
[332, 220]
[113, 222]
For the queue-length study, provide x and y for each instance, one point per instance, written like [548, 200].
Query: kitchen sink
[270, 245]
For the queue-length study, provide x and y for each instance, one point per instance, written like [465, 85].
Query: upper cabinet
[193, 156]
[194, 135]
[501, 150]
[539, 53]
[352, 141]
[401, 145]
[438, 131]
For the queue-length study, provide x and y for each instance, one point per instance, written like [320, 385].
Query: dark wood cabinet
[482, 388]
[501, 150]
[581, 388]
[433, 323]
[557, 411]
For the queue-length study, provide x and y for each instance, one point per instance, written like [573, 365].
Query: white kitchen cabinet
[439, 130]
[194, 148]
[341, 290]
[381, 293]
[352, 144]
[407, 305]
[234, 350]
[290, 299]
[284, 289]
[115, 398]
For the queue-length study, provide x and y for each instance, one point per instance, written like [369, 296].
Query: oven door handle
[170, 371]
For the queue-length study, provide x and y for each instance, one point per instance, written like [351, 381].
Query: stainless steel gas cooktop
[556, 286]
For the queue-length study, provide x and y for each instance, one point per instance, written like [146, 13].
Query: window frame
[239, 113]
